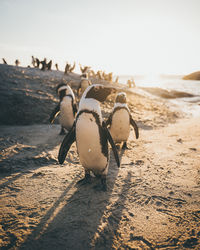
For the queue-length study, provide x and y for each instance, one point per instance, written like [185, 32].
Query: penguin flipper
[75, 108]
[66, 144]
[109, 120]
[133, 123]
[110, 139]
[55, 113]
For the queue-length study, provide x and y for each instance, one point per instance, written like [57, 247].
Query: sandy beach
[152, 201]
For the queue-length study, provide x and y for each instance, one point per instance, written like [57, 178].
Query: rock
[167, 94]
[192, 76]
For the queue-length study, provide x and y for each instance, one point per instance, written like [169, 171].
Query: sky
[126, 37]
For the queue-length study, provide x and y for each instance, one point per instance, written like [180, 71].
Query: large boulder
[27, 95]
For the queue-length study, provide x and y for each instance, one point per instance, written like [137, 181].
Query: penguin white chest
[88, 143]
[66, 117]
[120, 127]
[84, 85]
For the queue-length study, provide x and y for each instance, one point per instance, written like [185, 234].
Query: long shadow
[78, 220]
[106, 235]
[46, 218]
[27, 158]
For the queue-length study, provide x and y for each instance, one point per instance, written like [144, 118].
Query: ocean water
[190, 105]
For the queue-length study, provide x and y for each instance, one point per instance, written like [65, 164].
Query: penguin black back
[99, 93]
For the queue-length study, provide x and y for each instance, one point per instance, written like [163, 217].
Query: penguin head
[121, 97]
[63, 89]
[98, 92]
[60, 87]
[84, 76]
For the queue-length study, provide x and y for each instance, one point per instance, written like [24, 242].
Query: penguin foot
[85, 180]
[125, 145]
[62, 132]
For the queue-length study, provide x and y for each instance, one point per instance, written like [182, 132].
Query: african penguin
[120, 120]
[66, 108]
[91, 135]
[84, 83]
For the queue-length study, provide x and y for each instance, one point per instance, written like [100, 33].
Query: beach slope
[152, 200]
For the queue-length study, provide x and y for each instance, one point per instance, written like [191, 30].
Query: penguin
[84, 83]
[66, 108]
[91, 136]
[120, 120]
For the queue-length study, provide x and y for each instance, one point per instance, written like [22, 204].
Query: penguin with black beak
[66, 108]
[91, 135]
[120, 120]
[84, 83]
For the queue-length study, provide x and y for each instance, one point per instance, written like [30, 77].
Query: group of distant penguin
[86, 126]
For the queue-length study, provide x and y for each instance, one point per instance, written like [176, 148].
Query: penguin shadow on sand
[83, 216]
[88, 219]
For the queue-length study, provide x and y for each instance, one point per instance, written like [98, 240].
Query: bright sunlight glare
[123, 37]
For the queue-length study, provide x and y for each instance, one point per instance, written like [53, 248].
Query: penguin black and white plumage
[84, 83]
[91, 135]
[120, 120]
[66, 109]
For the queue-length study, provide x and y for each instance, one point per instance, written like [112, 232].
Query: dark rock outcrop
[192, 76]
[27, 95]
[167, 94]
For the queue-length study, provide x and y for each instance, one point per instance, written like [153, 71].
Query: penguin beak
[100, 92]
